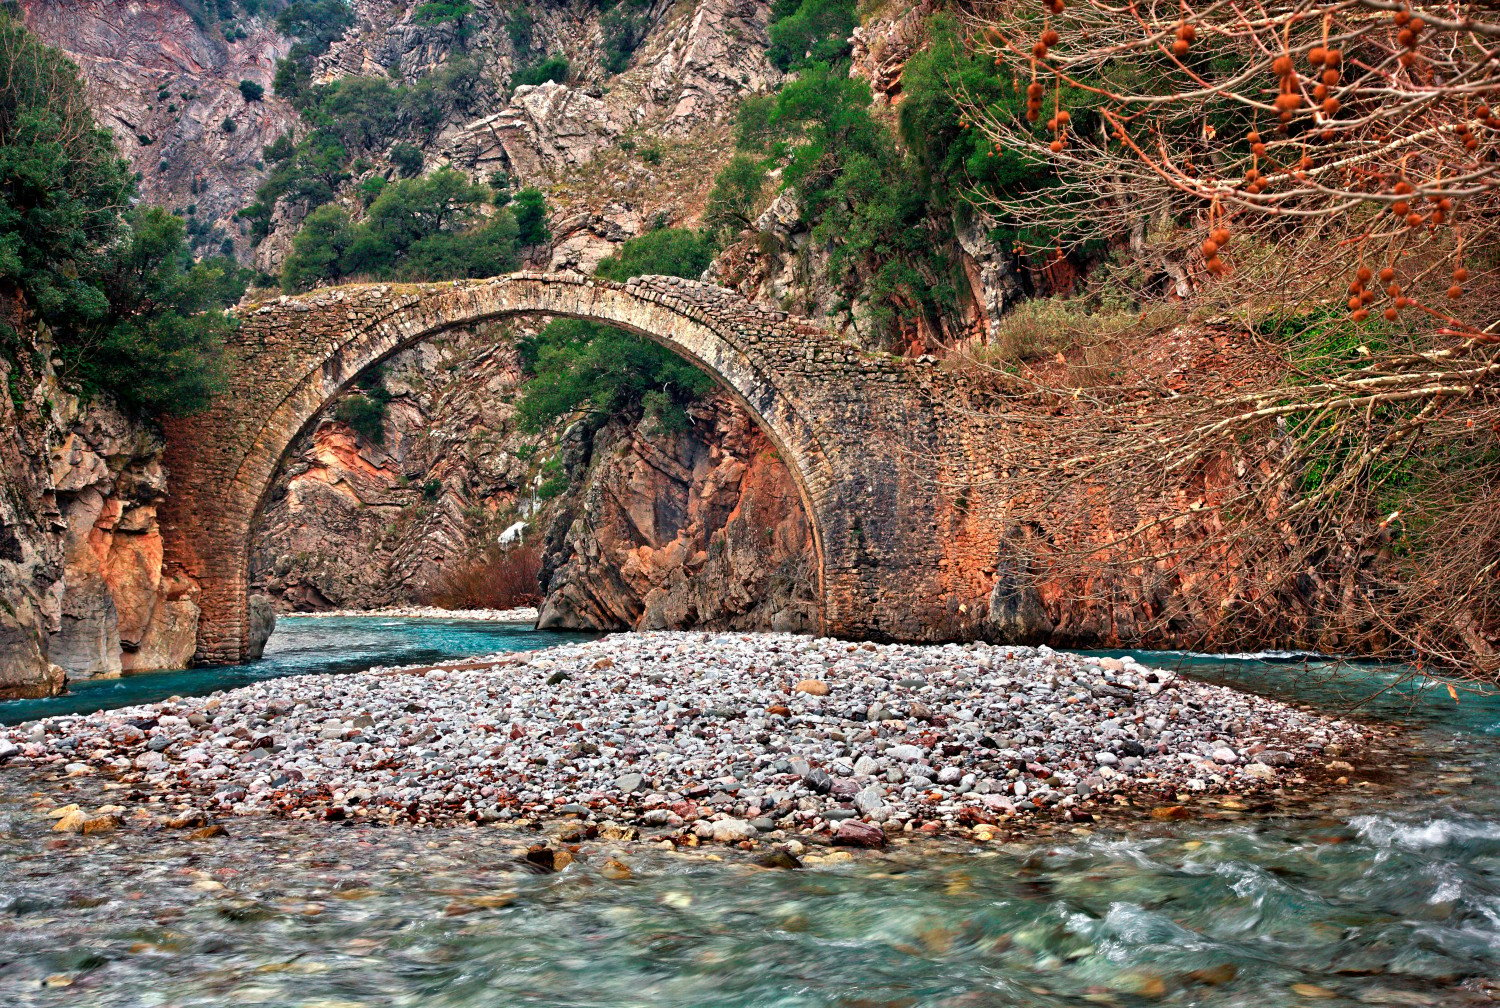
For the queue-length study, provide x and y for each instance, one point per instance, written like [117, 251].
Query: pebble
[726, 737]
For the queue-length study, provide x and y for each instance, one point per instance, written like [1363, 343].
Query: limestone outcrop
[547, 131]
[675, 529]
[169, 87]
[82, 587]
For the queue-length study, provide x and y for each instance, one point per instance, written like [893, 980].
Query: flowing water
[1384, 893]
[304, 645]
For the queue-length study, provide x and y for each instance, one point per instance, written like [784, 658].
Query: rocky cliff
[167, 83]
[82, 590]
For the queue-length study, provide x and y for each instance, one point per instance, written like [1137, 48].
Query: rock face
[697, 528]
[82, 589]
[355, 523]
[548, 131]
[167, 84]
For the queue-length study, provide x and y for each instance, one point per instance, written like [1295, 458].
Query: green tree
[582, 365]
[430, 228]
[665, 252]
[319, 249]
[553, 68]
[130, 313]
[443, 12]
[622, 30]
[316, 24]
[363, 112]
[736, 190]
[407, 158]
[530, 208]
[810, 31]
[252, 91]
[159, 346]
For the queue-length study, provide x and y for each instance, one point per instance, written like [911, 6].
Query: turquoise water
[1386, 892]
[304, 646]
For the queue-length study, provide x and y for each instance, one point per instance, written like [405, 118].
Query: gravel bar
[730, 737]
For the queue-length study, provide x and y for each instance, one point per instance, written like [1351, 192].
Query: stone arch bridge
[858, 431]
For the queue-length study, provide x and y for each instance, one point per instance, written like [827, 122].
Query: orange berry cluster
[1059, 125]
[1044, 43]
[1255, 182]
[1290, 99]
[1403, 209]
[1329, 60]
[1360, 295]
[1459, 276]
[1408, 35]
[1034, 93]
[1186, 35]
[1217, 239]
[1483, 115]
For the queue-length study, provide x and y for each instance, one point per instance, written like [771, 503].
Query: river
[1384, 893]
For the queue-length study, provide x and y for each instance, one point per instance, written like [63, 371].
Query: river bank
[730, 738]
[521, 614]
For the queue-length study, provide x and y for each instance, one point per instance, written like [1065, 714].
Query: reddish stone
[858, 833]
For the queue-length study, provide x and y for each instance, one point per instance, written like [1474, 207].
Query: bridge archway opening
[499, 331]
[292, 358]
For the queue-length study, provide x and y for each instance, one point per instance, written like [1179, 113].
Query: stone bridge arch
[847, 424]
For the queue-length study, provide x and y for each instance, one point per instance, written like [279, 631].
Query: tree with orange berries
[1327, 176]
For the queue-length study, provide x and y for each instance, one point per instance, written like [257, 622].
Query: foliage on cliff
[581, 365]
[352, 120]
[884, 200]
[130, 313]
[435, 227]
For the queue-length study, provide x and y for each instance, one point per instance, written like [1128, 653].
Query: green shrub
[577, 365]
[443, 12]
[810, 31]
[623, 29]
[551, 487]
[530, 208]
[358, 116]
[737, 189]
[666, 252]
[407, 158]
[251, 91]
[365, 415]
[553, 68]
[519, 27]
[427, 228]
